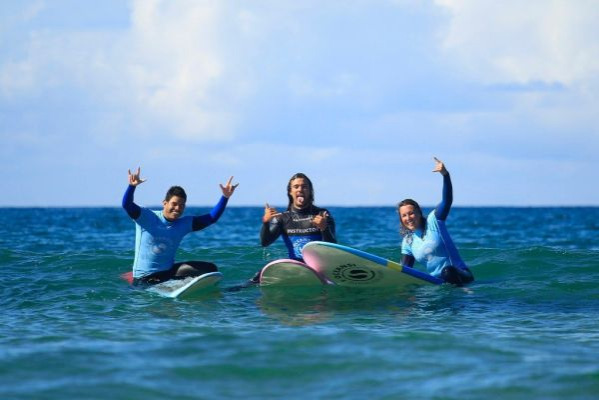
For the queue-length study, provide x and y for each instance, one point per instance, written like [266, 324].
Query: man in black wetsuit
[303, 222]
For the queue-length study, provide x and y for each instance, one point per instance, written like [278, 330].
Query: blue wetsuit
[433, 247]
[157, 239]
[296, 227]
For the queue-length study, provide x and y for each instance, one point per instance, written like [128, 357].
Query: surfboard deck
[287, 272]
[346, 266]
[182, 288]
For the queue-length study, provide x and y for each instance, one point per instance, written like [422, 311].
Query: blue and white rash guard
[433, 247]
[157, 239]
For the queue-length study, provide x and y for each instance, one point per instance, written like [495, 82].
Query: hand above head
[440, 167]
[228, 189]
[321, 220]
[134, 179]
[269, 213]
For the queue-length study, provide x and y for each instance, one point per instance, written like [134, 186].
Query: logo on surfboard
[354, 273]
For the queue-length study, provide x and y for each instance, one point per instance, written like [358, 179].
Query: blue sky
[359, 95]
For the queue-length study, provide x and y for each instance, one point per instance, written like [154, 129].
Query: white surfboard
[184, 288]
[286, 272]
[346, 266]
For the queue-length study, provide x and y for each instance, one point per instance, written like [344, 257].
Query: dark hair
[409, 202]
[305, 178]
[175, 191]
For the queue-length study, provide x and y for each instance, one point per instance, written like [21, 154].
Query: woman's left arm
[442, 209]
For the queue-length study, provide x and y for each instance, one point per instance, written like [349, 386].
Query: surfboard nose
[128, 276]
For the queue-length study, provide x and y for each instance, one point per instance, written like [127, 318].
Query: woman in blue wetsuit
[427, 240]
[158, 233]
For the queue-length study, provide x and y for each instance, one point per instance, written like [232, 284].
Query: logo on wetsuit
[354, 273]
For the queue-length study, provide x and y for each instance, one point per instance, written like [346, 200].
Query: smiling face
[300, 192]
[173, 208]
[410, 217]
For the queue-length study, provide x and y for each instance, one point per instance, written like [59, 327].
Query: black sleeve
[270, 231]
[442, 210]
[202, 221]
[407, 260]
[328, 235]
[133, 210]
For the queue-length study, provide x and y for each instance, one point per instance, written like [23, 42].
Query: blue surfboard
[346, 266]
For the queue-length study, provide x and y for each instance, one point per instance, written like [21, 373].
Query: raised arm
[442, 209]
[202, 221]
[271, 229]
[132, 209]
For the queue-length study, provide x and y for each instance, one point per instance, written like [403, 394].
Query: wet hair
[175, 191]
[409, 202]
[305, 178]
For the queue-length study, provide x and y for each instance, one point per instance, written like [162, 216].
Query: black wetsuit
[297, 229]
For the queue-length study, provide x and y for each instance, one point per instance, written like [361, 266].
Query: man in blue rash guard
[303, 222]
[159, 233]
[427, 240]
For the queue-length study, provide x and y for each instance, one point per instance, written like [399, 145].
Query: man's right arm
[133, 210]
[269, 232]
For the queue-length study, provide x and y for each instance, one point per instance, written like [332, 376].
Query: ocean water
[528, 328]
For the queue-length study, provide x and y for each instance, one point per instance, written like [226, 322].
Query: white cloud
[540, 61]
[515, 41]
[175, 67]
[167, 73]
[355, 95]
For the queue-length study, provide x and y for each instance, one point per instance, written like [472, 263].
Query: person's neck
[168, 219]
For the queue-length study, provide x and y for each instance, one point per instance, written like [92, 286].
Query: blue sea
[527, 328]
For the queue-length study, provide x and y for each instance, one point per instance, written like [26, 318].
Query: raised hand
[134, 179]
[321, 220]
[228, 189]
[269, 213]
[440, 167]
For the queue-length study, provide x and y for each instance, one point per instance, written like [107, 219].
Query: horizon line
[333, 205]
